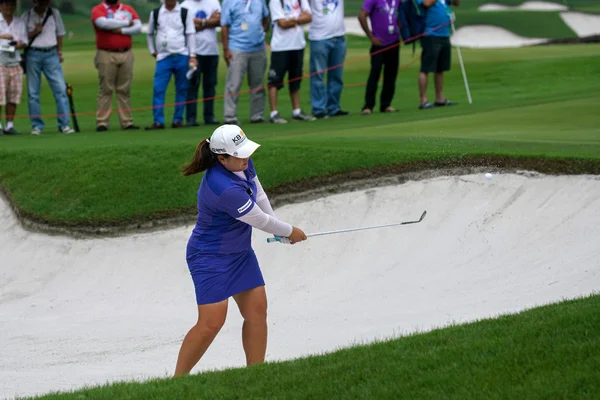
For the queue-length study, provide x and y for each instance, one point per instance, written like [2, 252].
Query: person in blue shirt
[220, 258]
[243, 27]
[437, 51]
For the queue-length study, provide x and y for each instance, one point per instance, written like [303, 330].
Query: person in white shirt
[13, 37]
[327, 54]
[44, 55]
[287, 53]
[207, 16]
[172, 41]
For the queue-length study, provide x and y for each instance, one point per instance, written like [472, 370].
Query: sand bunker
[526, 6]
[583, 24]
[84, 312]
[488, 36]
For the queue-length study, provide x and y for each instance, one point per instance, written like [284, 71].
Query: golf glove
[283, 239]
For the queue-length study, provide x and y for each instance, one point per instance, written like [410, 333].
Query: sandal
[390, 110]
[426, 105]
[366, 111]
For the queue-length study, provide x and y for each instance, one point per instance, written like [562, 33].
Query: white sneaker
[67, 129]
[36, 131]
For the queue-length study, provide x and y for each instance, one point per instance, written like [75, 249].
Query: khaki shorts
[11, 84]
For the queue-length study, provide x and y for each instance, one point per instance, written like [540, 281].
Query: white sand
[83, 312]
[488, 36]
[583, 24]
[526, 6]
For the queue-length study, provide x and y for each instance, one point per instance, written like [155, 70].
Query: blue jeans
[173, 65]
[49, 64]
[326, 54]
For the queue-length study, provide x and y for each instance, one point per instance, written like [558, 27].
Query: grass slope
[548, 352]
[532, 102]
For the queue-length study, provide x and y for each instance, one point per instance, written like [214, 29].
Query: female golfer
[222, 263]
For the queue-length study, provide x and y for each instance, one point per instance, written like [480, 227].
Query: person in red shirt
[114, 24]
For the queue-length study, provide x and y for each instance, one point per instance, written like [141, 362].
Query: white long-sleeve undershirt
[134, 29]
[263, 217]
[110, 24]
[191, 43]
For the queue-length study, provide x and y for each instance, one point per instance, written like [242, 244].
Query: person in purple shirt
[385, 39]
[222, 263]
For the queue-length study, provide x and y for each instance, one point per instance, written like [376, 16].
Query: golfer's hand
[6, 36]
[375, 41]
[228, 56]
[297, 235]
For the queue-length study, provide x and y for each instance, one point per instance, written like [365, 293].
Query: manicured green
[550, 352]
[528, 102]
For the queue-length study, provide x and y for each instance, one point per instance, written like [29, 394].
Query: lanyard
[248, 8]
[390, 10]
[109, 10]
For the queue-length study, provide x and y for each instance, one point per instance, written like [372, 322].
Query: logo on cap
[239, 139]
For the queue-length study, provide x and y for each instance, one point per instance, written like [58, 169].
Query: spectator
[287, 53]
[243, 27]
[114, 24]
[437, 52]
[174, 49]
[13, 37]
[44, 55]
[327, 52]
[385, 51]
[207, 16]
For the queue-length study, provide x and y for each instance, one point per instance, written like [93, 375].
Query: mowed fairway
[478, 253]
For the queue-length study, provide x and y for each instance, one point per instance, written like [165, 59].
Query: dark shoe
[303, 117]
[211, 122]
[426, 105]
[321, 116]
[339, 113]
[155, 126]
[11, 131]
[192, 124]
[131, 127]
[101, 128]
[233, 122]
[445, 103]
[257, 120]
[177, 124]
[1, 132]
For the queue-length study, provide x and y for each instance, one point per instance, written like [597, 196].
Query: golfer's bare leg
[211, 318]
[439, 87]
[423, 86]
[295, 96]
[253, 307]
[273, 98]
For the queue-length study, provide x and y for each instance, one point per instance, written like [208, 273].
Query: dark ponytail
[203, 159]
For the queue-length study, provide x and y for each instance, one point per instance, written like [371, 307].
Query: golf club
[277, 239]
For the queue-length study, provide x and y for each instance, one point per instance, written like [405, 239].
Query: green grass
[523, 23]
[536, 102]
[549, 352]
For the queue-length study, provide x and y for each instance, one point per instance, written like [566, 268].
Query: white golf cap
[231, 139]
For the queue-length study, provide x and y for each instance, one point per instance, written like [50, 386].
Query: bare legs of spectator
[439, 87]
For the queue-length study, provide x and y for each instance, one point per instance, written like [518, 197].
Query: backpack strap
[48, 15]
[184, 13]
[155, 17]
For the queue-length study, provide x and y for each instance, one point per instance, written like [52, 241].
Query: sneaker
[66, 130]
[340, 113]
[36, 131]
[11, 131]
[101, 128]
[259, 120]
[233, 122]
[132, 127]
[321, 116]
[155, 126]
[276, 119]
[303, 117]
[211, 121]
